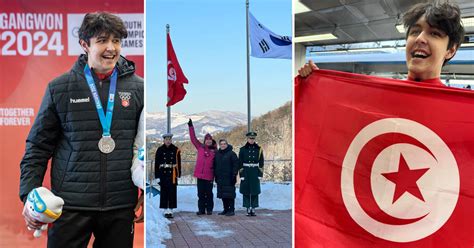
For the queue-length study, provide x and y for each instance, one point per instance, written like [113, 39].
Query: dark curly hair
[444, 16]
[95, 24]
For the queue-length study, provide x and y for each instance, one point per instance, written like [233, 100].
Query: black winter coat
[168, 155]
[67, 129]
[226, 166]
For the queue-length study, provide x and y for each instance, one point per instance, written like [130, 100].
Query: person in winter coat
[91, 152]
[204, 170]
[168, 170]
[251, 171]
[226, 166]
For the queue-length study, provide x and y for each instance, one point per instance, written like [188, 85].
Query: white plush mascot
[43, 206]
[138, 169]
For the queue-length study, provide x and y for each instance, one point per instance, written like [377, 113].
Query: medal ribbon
[105, 119]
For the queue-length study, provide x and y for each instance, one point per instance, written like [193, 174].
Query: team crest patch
[125, 97]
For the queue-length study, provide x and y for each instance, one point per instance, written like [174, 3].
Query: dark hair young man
[91, 151]
[434, 33]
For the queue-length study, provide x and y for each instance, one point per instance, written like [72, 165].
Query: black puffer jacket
[226, 165]
[67, 129]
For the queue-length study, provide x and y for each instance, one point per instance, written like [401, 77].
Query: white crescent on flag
[171, 72]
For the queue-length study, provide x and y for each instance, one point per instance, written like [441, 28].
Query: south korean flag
[266, 44]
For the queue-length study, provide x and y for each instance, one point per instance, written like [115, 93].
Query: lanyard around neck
[105, 119]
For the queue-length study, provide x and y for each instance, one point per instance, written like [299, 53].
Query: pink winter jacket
[205, 158]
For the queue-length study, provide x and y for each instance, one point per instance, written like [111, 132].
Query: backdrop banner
[382, 163]
[39, 42]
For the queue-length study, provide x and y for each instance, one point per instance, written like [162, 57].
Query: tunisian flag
[382, 163]
[176, 77]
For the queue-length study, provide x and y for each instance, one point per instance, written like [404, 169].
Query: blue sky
[209, 39]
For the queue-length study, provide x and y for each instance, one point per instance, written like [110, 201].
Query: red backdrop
[34, 37]
[382, 163]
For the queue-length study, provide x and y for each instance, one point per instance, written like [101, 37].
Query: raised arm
[192, 135]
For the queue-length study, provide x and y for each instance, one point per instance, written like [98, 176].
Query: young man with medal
[90, 140]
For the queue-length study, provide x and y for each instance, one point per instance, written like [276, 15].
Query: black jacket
[168, 155]
[226, 165]
[67, 129]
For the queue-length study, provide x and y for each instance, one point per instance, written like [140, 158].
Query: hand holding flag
[382, 162]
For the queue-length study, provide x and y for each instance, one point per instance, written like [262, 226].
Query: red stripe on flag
[346, 181]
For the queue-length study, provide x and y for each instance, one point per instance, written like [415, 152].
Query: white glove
[41, 207]
[242, 178]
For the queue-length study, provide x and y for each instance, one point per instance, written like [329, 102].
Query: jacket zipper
[203, 164]
[103, 157]
[103, 178]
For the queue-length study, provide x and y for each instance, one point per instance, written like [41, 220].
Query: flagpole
[168, 114]
[248, 69]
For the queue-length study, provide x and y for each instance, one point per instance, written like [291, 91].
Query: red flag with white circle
[382, 163]
[176, 77]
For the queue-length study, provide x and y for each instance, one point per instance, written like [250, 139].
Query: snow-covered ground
[157, 229]
[274, 196]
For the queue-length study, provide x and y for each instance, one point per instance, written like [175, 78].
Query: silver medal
[106, 144]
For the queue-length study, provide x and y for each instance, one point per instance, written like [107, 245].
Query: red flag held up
[382, 163]
[176, 77]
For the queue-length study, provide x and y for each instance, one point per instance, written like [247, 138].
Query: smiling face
[208, 142]
[223, 145]
[103, 52]
[426, 50]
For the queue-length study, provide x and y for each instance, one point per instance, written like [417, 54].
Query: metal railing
[275, 170]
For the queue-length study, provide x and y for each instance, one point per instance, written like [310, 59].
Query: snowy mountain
[206, 122]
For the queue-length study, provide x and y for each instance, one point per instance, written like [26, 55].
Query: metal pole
[168, 114]
[248, 70]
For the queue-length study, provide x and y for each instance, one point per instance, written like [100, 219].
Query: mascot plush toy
[138, 168]
[43, 206]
